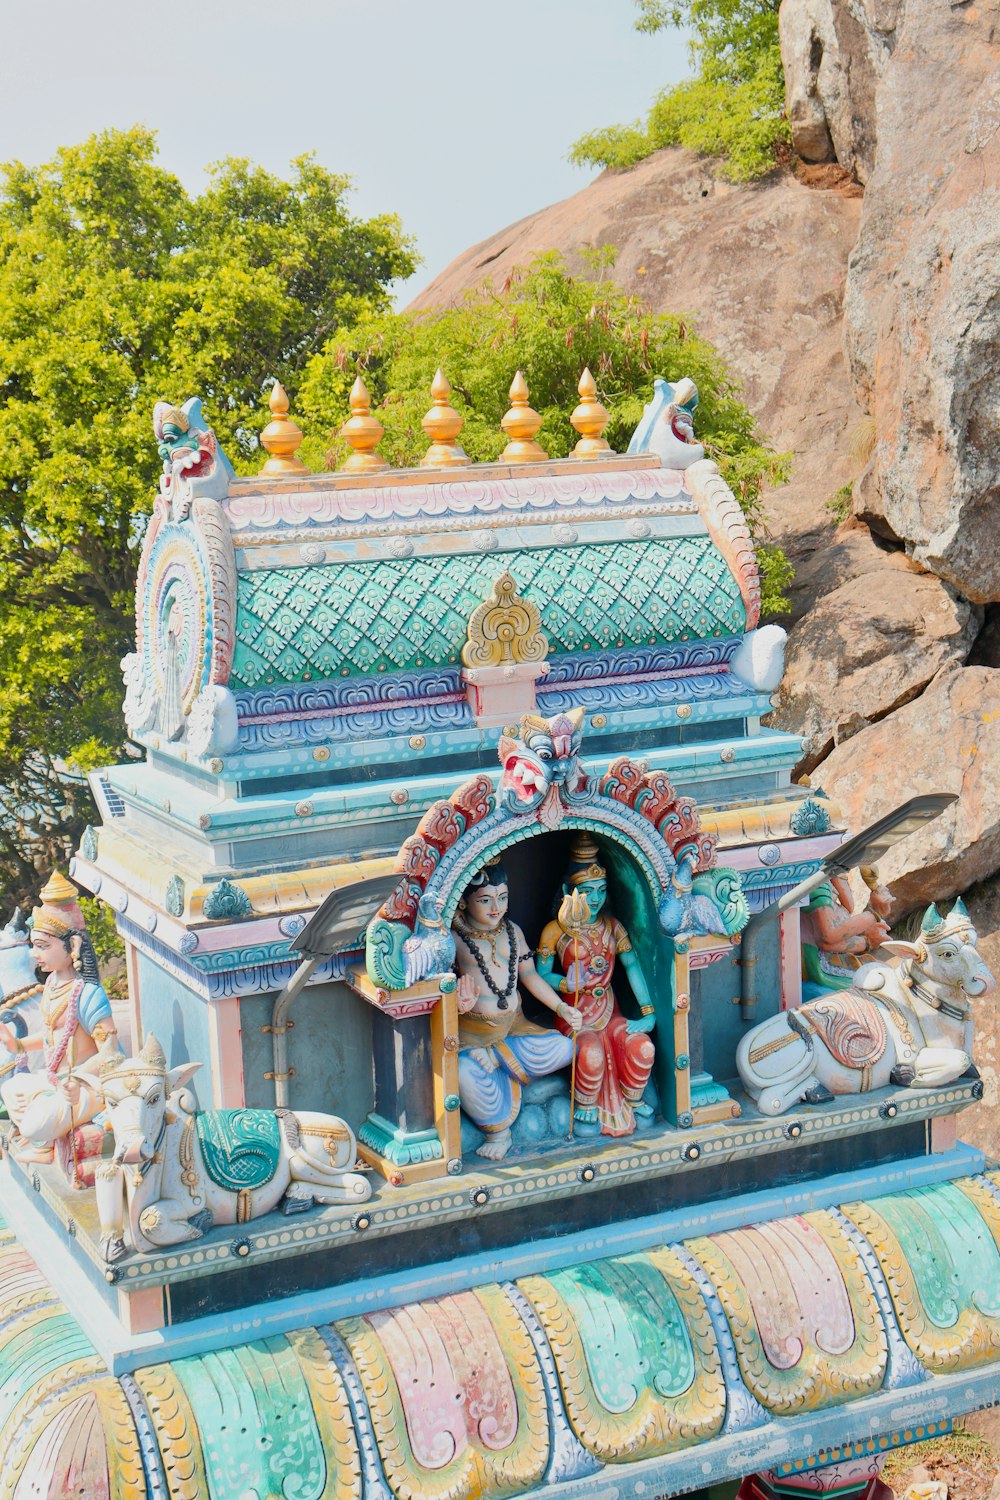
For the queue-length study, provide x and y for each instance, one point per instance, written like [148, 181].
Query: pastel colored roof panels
[670, 1365]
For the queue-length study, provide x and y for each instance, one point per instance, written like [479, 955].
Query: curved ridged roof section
[344, 619]
[506, 1388]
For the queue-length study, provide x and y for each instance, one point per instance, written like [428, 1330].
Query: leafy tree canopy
[550, 324]
[118, 288]
[733, 107]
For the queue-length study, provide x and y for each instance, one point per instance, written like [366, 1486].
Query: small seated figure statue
[614, 1056]
[499, 1049]
[76, 1021]
[837, 940]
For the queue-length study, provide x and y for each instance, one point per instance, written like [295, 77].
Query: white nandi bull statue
[177, 1171]
[909, 1025]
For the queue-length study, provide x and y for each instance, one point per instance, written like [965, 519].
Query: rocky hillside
[857, 297]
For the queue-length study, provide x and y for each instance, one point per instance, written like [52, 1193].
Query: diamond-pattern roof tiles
[341, 619]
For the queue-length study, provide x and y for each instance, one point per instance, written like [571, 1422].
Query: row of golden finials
[442, 424]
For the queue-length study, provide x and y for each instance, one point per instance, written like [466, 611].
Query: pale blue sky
[455, 115]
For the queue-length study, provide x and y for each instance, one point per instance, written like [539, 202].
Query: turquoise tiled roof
[341, 619]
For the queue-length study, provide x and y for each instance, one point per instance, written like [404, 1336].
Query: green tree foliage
[118, 288]
[733, 107]
[550, 324]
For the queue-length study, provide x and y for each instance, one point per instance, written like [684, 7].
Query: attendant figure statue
[500, 1050]
[837, 940]
[76, 1020]
[614, 1056]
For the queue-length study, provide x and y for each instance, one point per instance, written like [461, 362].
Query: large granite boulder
[867, 646]
[833, 54]
[922, 309]
[947, 740]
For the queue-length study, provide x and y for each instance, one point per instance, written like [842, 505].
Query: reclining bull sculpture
[909, 1024]
[177, 1171]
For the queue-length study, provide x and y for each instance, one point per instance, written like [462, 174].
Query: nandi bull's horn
[108, 1057]
[931, 919]
[153, 1053]
[959, 909]
[17, 922]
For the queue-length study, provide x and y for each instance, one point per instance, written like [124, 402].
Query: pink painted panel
[260, 511]
[225, 1041]
[795, 1288]
[69, 1460]
[790, 939]
[452, 1377]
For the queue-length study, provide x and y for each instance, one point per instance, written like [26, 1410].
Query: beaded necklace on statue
[472, 939]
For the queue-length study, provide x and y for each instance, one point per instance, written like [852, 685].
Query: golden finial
[442, 425]
[520, 424]
[363, 432]
[590, 419]
[281, 437]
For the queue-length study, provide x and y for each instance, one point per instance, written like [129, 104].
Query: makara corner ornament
[194, 465]
[667, 426]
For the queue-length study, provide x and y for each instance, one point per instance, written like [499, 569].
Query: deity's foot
[25, 1150]
[495, 1147]
[586, 1114]
[113, 1247]
[643, 1110]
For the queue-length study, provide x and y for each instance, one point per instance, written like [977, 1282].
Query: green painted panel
[307, 624]
[633, 1332]
[255, 1417]
[949, 1248]
[36, 1351]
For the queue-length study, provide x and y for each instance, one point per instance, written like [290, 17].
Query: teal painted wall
[329, 1046]
[717, 1024]
[178, 1018]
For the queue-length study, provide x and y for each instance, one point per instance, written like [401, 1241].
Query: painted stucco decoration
[909, 1023]
[20, 995]
[194, 465]
[810, 817]
[185, 591]
[561, 1249]
[176, 1171]
[225, 901]
[595, 1368]
[667, 425]
[543, 787]
[759, 660]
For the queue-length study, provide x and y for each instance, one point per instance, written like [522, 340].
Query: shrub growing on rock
[550, 324]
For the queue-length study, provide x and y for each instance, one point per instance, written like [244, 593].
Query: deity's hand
[640, 1024]
[576, 979]
[571, 1016]
[71, 1088]
[466, 993]
[7, 1038]
[485, 1059]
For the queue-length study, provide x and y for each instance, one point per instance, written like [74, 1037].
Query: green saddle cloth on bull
[240, 1147]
